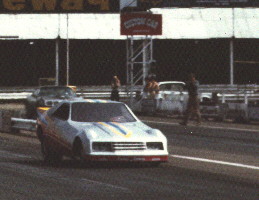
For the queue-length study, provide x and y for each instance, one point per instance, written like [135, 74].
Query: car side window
[62, 112]
[164, 87]
[177, 87]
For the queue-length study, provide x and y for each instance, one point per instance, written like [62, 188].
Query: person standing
[154, 90]
[146, 87]
[193, 101]
[115, 84]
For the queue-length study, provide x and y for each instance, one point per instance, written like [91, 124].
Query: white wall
[178, 23]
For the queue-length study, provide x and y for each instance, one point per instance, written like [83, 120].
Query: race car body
[47, 96]
[98, 130]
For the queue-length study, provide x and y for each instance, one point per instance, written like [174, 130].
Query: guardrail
[245, 98]
[18, 124]
[20, 93]
[106, 88]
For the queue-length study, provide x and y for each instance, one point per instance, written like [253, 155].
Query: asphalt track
[212, 161]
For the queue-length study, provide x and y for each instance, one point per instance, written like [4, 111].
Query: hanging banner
[59, 6]
[141, 24]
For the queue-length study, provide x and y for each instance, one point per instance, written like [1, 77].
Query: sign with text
[141, 24]
[59, 6]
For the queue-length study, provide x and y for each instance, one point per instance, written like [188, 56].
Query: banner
[141, 24]
[59, 6]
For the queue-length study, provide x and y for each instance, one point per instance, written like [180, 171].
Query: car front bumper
[155, 158]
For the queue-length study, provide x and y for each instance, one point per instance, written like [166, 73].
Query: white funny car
[98, 130]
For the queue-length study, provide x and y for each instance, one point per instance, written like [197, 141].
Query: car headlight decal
[102, 146]
[155, 146]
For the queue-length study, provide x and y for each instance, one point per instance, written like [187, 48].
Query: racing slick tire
[78, 150]
[49, 156]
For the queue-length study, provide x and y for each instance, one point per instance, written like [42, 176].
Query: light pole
[57, 61]
[231, 49]
[67, 81]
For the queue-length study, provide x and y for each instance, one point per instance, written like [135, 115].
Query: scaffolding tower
[139, 61]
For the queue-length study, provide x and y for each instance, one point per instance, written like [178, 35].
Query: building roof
[178, 23]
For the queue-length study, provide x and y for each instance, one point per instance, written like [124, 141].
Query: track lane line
[216, 161]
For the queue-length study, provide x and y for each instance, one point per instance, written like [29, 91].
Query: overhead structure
[139, 61]
[139, 28]
[54, 19]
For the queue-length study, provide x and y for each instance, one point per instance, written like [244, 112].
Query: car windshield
[172, 87]
[101, 112]
[57, 92]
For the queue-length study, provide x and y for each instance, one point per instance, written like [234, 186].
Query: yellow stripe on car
[128, 132]
[115, 129]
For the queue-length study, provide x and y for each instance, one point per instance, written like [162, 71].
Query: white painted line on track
[203, 126]
[216, 162]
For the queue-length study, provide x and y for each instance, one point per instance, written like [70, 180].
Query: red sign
[141, 24]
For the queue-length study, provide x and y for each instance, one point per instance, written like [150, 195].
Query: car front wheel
[78, 150]
[48, 154]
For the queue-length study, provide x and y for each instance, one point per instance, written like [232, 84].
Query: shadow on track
[75, 164]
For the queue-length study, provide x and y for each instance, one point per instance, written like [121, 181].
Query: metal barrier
[19, 93]
[18, 124]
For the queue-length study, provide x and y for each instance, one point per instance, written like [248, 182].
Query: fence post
[246, 98]
[223, 98]
[5, 120]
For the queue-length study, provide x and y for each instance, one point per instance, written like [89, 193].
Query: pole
[67, 81]
[146, 59]
[232, 49]
[128, 62]
[57, 62]
[232, 61]
[131, 71]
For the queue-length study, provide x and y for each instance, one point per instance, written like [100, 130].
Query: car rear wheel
[48, 154]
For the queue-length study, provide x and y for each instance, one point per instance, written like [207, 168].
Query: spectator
[146, 87]
[193, 100]
[115, 84]
[154, 89]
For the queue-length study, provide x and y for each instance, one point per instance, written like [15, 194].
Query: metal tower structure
[139, 61]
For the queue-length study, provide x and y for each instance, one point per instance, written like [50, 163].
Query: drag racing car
[47, 96]
[98, 130]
